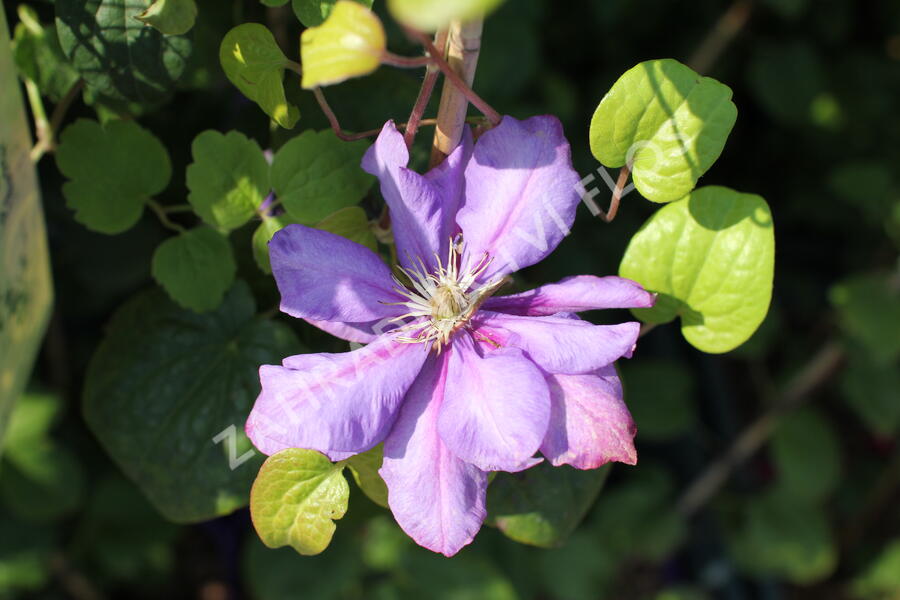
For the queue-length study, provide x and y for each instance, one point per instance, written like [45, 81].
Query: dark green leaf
[166, 382]
[316, 174]
[196, 268]
[542, 505]
[351, 223]
[314, 12]
[871, 390]
[117, 55]
[38, 56]
[807, 457]
[660, 396]
[114, 168]
[869, 310]
[263, 234]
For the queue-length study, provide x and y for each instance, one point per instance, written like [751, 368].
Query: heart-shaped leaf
[196, 268]
[710, 258]
[168, 391]
[296, 498]
[668, 122]
[350, 43]
[255, 64]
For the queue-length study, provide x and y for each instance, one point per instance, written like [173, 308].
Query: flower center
[442, 302]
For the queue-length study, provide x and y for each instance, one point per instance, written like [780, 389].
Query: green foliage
[348, 44]
[165, 382]
[869, 309]
[25, 551]
[543, 505]
[665, 120]
[228, 180]
[365, 472]
[38, 56]
[871, 391]
[196, 268]
[586, 563]
[296, 498]
[114, 168]
[660, 396]
[172, 17]
[261, 237]
[351, 223]
[255, 64]
[40, 478]
[430, 15]
[316, 174]
[710, 258]
[775, 536]
[313, 13]
[807, 457]
[116, 54]
[881, 579]
[787, 78]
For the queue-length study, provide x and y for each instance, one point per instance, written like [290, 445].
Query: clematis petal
[560, 344]
[361, 333]
[496, 406]
[574, 294]
[423, 208]
[323, 276]
[521, 194]
[338, 404]
[589, 423]
[436, 498]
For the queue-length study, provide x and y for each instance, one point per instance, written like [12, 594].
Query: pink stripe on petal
[436, 498]
[574, 294]
[589, 423]
[496, 407]
[334, 403]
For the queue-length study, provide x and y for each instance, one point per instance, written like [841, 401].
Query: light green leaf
[313, 13]
[228, 180]
[316, 174]
[668, 122]
[348, 44]
[351, 223]
[868, 306]
[255, 64]
[431, 15]
[296, 498]
[114, 168]
[167, 394]
[365, 467]
[172, 17]
[195, 268]
[32, 417]
[543, 505]
[261, 237]
[116, 54]
[807, 457]
[710, 259]
[38, 56]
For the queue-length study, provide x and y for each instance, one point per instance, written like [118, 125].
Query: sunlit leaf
[350, 43]
[172, 17]
[666, 120]
[351, 223]
[228, 180]
[710, 259]
[430, 15]
[314, 12]
[255, 64]
[117, 55]
[364, 467]
[38, 56]
[296, 498]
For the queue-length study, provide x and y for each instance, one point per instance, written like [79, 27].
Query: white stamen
[442, 301]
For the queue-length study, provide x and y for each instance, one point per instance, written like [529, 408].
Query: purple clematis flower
[455, 381]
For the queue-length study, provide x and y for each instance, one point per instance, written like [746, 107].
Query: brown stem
[818, 370]
[415, 117]
[609, 215]
[454, 78]
[405, 62]
[723, 32]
